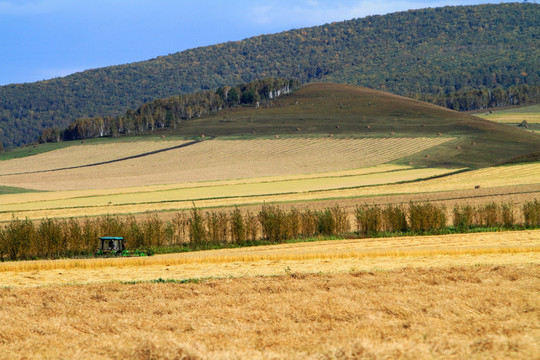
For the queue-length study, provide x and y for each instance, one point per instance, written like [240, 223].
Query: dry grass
[478, 312]
[224, 159]
[327, 256]
[83, 154]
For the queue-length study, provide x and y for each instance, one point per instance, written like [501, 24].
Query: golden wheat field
[513, 247]
[453, 312]
[448, 297]
[217, 160]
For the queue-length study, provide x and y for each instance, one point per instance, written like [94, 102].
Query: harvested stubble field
[139, 200]
[512, 247]
[81, 155]
[221, 160]
[356, 184]
[473, 312]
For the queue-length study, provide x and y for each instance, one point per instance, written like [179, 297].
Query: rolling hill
[330, 110]
[430, 51]
[338, 110]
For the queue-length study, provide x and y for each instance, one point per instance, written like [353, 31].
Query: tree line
[419, 52]
[197, 229]
[172, 111]
[483, 98]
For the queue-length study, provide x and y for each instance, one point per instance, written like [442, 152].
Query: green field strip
[15, 190]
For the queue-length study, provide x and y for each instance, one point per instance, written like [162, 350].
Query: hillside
[330, 110]
[429, 51]
[327, 109]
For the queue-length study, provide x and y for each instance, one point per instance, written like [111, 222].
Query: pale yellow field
[224, 159]
[509, 118]
[531, 114]
[255, 191]
[83, 154]
[517, 247]
[140, 200]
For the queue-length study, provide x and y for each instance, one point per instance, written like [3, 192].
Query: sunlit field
[530, 114]
[511, 247]
[81, 155]
[457, 312]
[221, 160]
[375, 181]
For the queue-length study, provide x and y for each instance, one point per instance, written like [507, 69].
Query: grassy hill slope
[326, 109]
[422, 51]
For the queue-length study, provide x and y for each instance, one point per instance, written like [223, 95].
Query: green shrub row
[54, 238]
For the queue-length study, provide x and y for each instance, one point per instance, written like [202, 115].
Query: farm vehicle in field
[115, 246]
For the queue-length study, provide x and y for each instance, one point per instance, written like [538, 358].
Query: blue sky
[42, 39]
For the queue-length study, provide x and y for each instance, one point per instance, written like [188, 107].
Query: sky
[43, 39]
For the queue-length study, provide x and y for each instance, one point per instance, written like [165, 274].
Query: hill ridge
[428, 50]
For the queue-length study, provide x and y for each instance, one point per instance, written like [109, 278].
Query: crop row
[53, 238]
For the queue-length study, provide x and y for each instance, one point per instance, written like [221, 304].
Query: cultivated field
[475, 312]
[531, 114]
[356, 185]
[511, 247]
[453, 296]
[213, 160]
[81, 155]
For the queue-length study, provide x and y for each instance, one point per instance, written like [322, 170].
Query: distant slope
[423, 51]
[345, 110]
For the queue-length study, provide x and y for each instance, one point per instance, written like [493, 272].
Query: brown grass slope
[345, 110]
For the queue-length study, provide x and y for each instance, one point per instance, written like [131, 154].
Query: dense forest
[484, 97]
[430, 53]
[171, 111]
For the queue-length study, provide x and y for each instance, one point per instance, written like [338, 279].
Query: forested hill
[430, 51]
